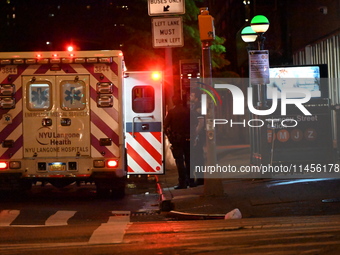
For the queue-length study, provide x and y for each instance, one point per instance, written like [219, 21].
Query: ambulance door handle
[138, 117]
[46, 122]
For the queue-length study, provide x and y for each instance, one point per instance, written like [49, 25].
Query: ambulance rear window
[72, 95]
[39, 97]
[143, 99]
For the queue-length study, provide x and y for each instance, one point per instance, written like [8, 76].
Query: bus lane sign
[166, 7]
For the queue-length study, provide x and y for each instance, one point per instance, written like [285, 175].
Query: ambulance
[62, 120]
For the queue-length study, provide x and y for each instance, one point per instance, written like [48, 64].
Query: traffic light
[206, 25]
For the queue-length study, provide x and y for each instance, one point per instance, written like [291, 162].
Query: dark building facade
[293, 25]
[301, 32]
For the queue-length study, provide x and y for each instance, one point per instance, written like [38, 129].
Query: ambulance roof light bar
[70, 49]
[57, 57]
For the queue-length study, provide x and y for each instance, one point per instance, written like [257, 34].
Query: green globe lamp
[248, 34]
[259, 24]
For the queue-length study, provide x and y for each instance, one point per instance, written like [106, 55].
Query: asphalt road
[48, 216]
[294, 235]
[74, 221]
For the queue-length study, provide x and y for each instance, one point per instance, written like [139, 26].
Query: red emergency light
[156, 76]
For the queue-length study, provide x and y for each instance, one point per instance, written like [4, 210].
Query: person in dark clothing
[197, 145]
[177, 129]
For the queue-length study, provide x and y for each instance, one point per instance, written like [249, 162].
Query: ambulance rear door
[143, 108]
[56, 119]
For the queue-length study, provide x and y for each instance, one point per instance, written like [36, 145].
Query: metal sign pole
[212, 187]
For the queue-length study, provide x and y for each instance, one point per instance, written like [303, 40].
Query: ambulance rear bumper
[9, 175]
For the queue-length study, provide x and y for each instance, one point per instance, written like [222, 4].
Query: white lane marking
[113, 231]
[60, 218]
[7, 216]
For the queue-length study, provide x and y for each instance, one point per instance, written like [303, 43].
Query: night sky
[90, 25]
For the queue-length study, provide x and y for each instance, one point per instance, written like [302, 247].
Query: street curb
[166, 205]
[165, 202]
[194, 216]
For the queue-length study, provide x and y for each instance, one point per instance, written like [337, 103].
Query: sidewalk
[253, 197]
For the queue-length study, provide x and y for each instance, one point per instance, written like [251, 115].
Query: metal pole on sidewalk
[169, 82]
[212, 186]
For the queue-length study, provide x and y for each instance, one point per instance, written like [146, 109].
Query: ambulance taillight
[112, 163]
[3, 165]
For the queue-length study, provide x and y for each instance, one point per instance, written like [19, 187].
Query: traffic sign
[167, 32]
[166, 7]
